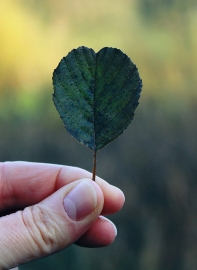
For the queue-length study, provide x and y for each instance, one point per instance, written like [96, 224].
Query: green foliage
[96, 94]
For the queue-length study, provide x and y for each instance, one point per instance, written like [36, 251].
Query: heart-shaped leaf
[96, 94]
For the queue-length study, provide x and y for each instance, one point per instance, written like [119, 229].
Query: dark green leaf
[96, 94]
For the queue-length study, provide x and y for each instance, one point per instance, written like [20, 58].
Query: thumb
[51, 225]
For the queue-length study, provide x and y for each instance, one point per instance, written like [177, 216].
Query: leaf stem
[94, 166]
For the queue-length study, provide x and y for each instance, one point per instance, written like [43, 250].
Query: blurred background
[153, 161]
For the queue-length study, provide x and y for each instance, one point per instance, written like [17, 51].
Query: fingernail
[80, 201]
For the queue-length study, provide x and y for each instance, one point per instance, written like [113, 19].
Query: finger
[113, 197]
[53, 224]
[102, 233]
[24, 183]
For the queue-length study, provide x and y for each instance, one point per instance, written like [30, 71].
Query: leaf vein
[107, 122]
[114, 75]
[88, 63]
[122, 128]
[74, 123]
[72, 100]
[74, 80]
[117, 90]
[107, 66]
[80, 69]
[67, 65]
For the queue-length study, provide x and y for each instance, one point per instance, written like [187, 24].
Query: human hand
[52, 207]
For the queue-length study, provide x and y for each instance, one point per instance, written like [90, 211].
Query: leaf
[96, 94]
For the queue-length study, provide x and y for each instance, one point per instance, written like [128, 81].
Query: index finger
[24, 183]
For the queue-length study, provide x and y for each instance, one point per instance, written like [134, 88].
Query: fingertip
[120, 195]
[109, 222]
[102, 233]
[113, 196]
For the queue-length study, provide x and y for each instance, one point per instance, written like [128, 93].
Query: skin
[33, 221]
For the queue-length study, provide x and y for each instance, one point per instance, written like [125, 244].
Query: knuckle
[42, 228]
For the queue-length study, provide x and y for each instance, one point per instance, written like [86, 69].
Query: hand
[51, 207]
